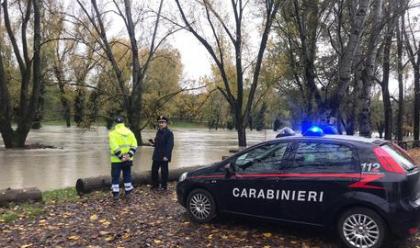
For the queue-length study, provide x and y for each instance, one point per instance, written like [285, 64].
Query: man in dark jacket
[163, 143]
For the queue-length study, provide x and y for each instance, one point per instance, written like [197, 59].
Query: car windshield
[400, 156]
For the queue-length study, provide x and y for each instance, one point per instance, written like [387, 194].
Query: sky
[197, 61]
[195, 58]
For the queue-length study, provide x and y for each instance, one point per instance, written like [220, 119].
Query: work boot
[127, 196]
[163, 189]
[115, 197]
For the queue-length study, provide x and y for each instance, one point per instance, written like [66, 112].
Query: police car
[366, 189]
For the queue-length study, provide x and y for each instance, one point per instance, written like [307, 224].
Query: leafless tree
[132, 97]
[240, 105]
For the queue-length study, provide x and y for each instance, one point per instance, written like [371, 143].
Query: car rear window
[401, 157]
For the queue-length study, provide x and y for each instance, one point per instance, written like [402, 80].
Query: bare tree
[392, 14]
[412, 46]
[400, 43]
[240, 105]
[132, 98]
[30, 72]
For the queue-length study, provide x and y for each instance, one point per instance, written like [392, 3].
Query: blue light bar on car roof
[314, 131]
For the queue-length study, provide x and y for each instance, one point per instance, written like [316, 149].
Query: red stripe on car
[363, 183]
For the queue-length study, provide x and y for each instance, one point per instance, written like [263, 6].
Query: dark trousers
[116, 169]
[163, 165]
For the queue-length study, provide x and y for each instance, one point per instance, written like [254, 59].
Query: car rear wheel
[201, 206]
[362, 228]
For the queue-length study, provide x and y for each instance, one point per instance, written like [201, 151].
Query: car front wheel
[362, 228]
[201, 206]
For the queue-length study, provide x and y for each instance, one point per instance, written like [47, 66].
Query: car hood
[204, 169]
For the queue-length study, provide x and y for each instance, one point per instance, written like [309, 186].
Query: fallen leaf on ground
[109, 238]
[93, 217]
[157, 241]
[74, 237]
[267, 235]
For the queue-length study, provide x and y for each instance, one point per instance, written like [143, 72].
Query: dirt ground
[151, 219]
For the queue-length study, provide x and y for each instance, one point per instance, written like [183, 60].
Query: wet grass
[60, 195]
[31, 210]
[18, 211]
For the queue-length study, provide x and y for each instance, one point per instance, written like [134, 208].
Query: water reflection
[85, 154]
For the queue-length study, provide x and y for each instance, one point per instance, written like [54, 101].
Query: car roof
[348, 138]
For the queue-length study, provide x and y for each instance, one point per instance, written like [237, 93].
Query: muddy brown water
[84, 153]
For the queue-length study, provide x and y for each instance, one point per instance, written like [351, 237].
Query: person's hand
[165, 159]
[126, 157]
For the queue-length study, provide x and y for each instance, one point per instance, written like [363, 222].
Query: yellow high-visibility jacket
[121, 141]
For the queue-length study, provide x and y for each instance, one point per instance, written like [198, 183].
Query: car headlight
[183, 176]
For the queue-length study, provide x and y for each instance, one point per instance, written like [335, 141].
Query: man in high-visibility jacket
[123, 146]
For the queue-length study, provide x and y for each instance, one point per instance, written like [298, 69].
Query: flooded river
[85, 154]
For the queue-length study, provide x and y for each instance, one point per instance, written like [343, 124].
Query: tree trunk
[5, 106]
[416, 112]
[135, 99]
[35, 106]
[365, 125]
[354, 95]
[61, 83]
[347, 57]
[38, 115]
[400, 119]
[385, 83]
[241, 136]
[79, 105]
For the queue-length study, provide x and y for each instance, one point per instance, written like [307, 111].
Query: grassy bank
[184, 124]
[32, 210]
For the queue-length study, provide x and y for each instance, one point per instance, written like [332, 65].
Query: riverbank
[31, 210]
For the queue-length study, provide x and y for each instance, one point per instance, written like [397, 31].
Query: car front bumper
[181, 193]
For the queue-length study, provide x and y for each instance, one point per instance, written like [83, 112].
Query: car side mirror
[229, 170]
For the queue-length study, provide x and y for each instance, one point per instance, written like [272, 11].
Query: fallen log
[87, 185]
[9, 195]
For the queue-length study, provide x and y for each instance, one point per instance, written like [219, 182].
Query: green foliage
[14, 212]
[60, 195]
[32, 210]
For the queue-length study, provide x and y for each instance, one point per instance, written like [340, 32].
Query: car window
[263, 158]
[323, 156]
